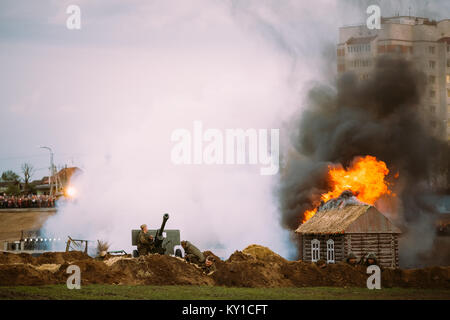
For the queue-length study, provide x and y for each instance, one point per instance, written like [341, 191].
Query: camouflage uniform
[209, 270]
[193, 254]
[145, 245]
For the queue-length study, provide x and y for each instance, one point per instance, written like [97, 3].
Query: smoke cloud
[381, 117]
[107, 97]
[227, 64]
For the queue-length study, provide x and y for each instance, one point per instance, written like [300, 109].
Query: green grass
[102, 292]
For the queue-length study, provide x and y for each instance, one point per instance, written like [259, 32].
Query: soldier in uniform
[351, 259]
[371, 260]
[145, 243]
[209, 267]
[192, 254]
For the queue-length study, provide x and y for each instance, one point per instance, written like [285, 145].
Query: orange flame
[365, 177]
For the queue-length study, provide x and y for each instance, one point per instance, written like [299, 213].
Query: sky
[106, 98]
[45, 66]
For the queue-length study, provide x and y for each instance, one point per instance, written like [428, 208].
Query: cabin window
[315, 250]
[330, 251]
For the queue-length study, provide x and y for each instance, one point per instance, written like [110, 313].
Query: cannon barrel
[159, 233]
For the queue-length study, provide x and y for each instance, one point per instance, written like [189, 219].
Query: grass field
[102, 292]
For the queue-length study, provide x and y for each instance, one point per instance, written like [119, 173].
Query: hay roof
[350, 219]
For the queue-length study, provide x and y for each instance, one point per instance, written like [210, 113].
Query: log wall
[384, 245]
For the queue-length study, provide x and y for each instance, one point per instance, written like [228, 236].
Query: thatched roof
[349, 219]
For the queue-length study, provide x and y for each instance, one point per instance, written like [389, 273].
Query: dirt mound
[113, 256]
[210, 253]
[250, 273]
[239, 256]
[10, 258]
[160, 270]
[263, 253]
[431, 277]
[303, 274]
[256, 266]
[61, 257]
[92, 272]
[25, 275]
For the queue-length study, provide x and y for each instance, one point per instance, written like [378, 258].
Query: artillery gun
[165, 240]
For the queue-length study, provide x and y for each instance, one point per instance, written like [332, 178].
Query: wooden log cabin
[332, 234]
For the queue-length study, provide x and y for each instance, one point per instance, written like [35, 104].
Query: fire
[70, 192]
[365, 177]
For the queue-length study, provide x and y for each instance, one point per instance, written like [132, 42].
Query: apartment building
[423, 41]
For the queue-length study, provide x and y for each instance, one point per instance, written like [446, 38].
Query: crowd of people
[27, 201]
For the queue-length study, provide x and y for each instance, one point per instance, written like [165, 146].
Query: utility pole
[52, 172]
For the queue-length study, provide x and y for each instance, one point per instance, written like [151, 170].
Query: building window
[431, 50]
[448, 63]
[448, 78]
[448, 93]
[432, 94]
[433, 109]
[330, 251]
[315, 250]
[432, 79]
[431, 64]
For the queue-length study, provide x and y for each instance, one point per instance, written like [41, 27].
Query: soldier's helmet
[143, 226]
[371, 256]
[103, 254]
[351, 255]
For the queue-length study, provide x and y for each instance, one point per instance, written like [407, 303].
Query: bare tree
[27, 171]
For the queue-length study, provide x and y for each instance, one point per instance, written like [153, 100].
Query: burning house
[345, 225]
[370, 137]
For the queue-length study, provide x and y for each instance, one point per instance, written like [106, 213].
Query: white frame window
[315, 250]
[330, 251]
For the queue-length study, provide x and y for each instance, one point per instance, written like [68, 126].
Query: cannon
[159, 238]
[165, 240]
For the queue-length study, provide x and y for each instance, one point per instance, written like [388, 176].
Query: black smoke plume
[382, 117]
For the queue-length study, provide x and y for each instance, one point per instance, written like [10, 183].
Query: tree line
[15, 184]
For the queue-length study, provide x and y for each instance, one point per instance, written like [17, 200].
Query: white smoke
[115, 90]
[161, 67]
